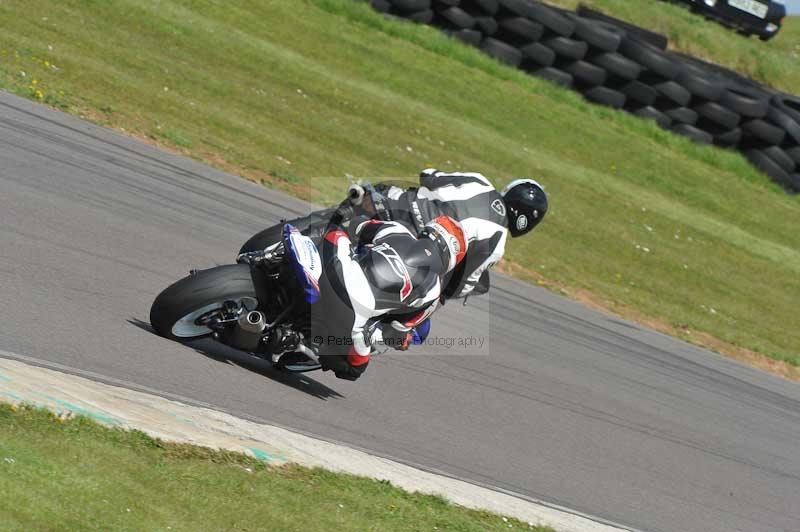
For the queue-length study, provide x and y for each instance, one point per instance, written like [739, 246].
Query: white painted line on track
[64, 389]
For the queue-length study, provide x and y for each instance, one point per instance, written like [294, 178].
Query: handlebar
[355, 194]
[361, 198]
[346, 210]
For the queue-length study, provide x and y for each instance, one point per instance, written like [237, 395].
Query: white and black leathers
[375, 274]
[469, 198]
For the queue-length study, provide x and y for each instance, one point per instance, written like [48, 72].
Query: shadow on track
[225, 355]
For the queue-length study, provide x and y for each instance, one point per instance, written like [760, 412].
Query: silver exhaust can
[249, 330]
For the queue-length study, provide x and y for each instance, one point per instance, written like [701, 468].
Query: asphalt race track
[562, 403]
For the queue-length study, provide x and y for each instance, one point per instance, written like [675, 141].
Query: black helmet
[526, 204]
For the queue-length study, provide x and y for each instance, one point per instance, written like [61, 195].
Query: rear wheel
[178, 311]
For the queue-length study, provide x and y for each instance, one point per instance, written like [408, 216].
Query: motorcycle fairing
[305, 258]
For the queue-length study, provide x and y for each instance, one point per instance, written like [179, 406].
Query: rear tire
[174, 310]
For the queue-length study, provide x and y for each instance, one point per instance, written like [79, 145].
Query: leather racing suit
[472, 200]
[379, 285]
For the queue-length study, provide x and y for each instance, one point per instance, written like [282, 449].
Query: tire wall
[618, 65]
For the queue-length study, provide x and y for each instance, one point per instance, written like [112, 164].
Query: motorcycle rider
[486, 215]
[380, 284]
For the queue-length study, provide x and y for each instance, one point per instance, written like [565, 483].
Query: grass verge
[75, 474]
[651, 225]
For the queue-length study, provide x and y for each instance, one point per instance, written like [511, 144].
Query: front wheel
[177, 311]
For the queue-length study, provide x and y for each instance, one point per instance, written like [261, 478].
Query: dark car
[750, 17]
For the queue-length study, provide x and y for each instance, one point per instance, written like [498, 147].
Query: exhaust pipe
[253, 321]
[249, 330]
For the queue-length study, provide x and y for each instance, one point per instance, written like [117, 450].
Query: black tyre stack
[772, 142]
[625, 67]
[414, 10]
[621, 88]
[555, 52]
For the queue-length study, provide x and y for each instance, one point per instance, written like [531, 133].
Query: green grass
[304, 93]
[78, 475]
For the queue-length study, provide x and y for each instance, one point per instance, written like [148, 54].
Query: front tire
[176, 309]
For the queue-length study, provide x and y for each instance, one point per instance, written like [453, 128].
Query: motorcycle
[263, 307]
[366, 199]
